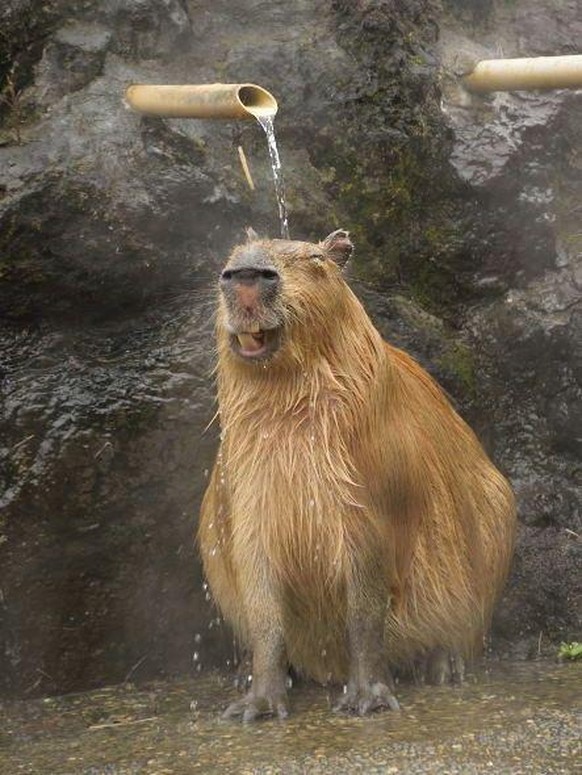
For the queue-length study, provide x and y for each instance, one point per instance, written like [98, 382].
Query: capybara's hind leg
[438, 667]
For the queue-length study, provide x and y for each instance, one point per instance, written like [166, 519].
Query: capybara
[353, 522]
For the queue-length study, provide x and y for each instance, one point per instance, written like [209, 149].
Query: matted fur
[342, 461]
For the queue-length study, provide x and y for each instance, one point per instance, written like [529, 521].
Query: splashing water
[265, 118]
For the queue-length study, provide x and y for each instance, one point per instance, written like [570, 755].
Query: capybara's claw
[366, 699]
[251, 707]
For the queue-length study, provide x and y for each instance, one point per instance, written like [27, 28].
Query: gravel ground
[512, 718]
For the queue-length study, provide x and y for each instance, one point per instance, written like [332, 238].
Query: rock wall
[465, 212]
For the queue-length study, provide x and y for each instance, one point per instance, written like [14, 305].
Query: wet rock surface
[465, 212]
[99, 556]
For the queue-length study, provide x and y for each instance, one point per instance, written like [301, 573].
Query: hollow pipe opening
[257, 100]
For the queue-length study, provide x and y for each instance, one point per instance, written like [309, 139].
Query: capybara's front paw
[367, 697]
[252, 707]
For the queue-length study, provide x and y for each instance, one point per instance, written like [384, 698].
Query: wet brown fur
[342, 462]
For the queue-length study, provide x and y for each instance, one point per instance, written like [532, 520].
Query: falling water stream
[265, 117]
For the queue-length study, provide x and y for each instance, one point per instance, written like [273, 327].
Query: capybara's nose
[249, 274]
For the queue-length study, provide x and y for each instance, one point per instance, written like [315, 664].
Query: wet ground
[512, 718]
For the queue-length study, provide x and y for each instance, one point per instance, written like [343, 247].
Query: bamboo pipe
[212, 100]
[559, 72]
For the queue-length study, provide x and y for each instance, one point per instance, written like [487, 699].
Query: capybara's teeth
[249, 343]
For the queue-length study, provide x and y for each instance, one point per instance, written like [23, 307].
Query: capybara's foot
[366, 698]
[252, 707]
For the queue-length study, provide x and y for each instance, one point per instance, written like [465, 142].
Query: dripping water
[265, 117]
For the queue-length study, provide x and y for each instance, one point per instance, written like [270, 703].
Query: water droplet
[204, 585]
[195, 656]
[289, 682]
[345, 689]
[249, 678]
[323, 652]
[198, 638]
[208, 597]
[213, 551]
[198, 667]
[206, 473]
[194, 705]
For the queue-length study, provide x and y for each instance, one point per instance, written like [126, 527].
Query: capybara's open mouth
[255, 345]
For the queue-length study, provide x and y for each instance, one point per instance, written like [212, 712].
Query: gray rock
[71, 60]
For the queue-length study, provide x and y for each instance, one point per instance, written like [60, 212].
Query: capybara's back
[353, 521]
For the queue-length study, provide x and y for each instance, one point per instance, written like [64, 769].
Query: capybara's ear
[338, 246]
[251, 234]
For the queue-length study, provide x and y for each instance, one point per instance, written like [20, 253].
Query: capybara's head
[280, 298]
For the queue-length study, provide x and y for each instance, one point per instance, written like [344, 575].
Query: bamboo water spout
[558, 72]
[213, 100]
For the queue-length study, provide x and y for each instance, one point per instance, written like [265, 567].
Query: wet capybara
[353, 522]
